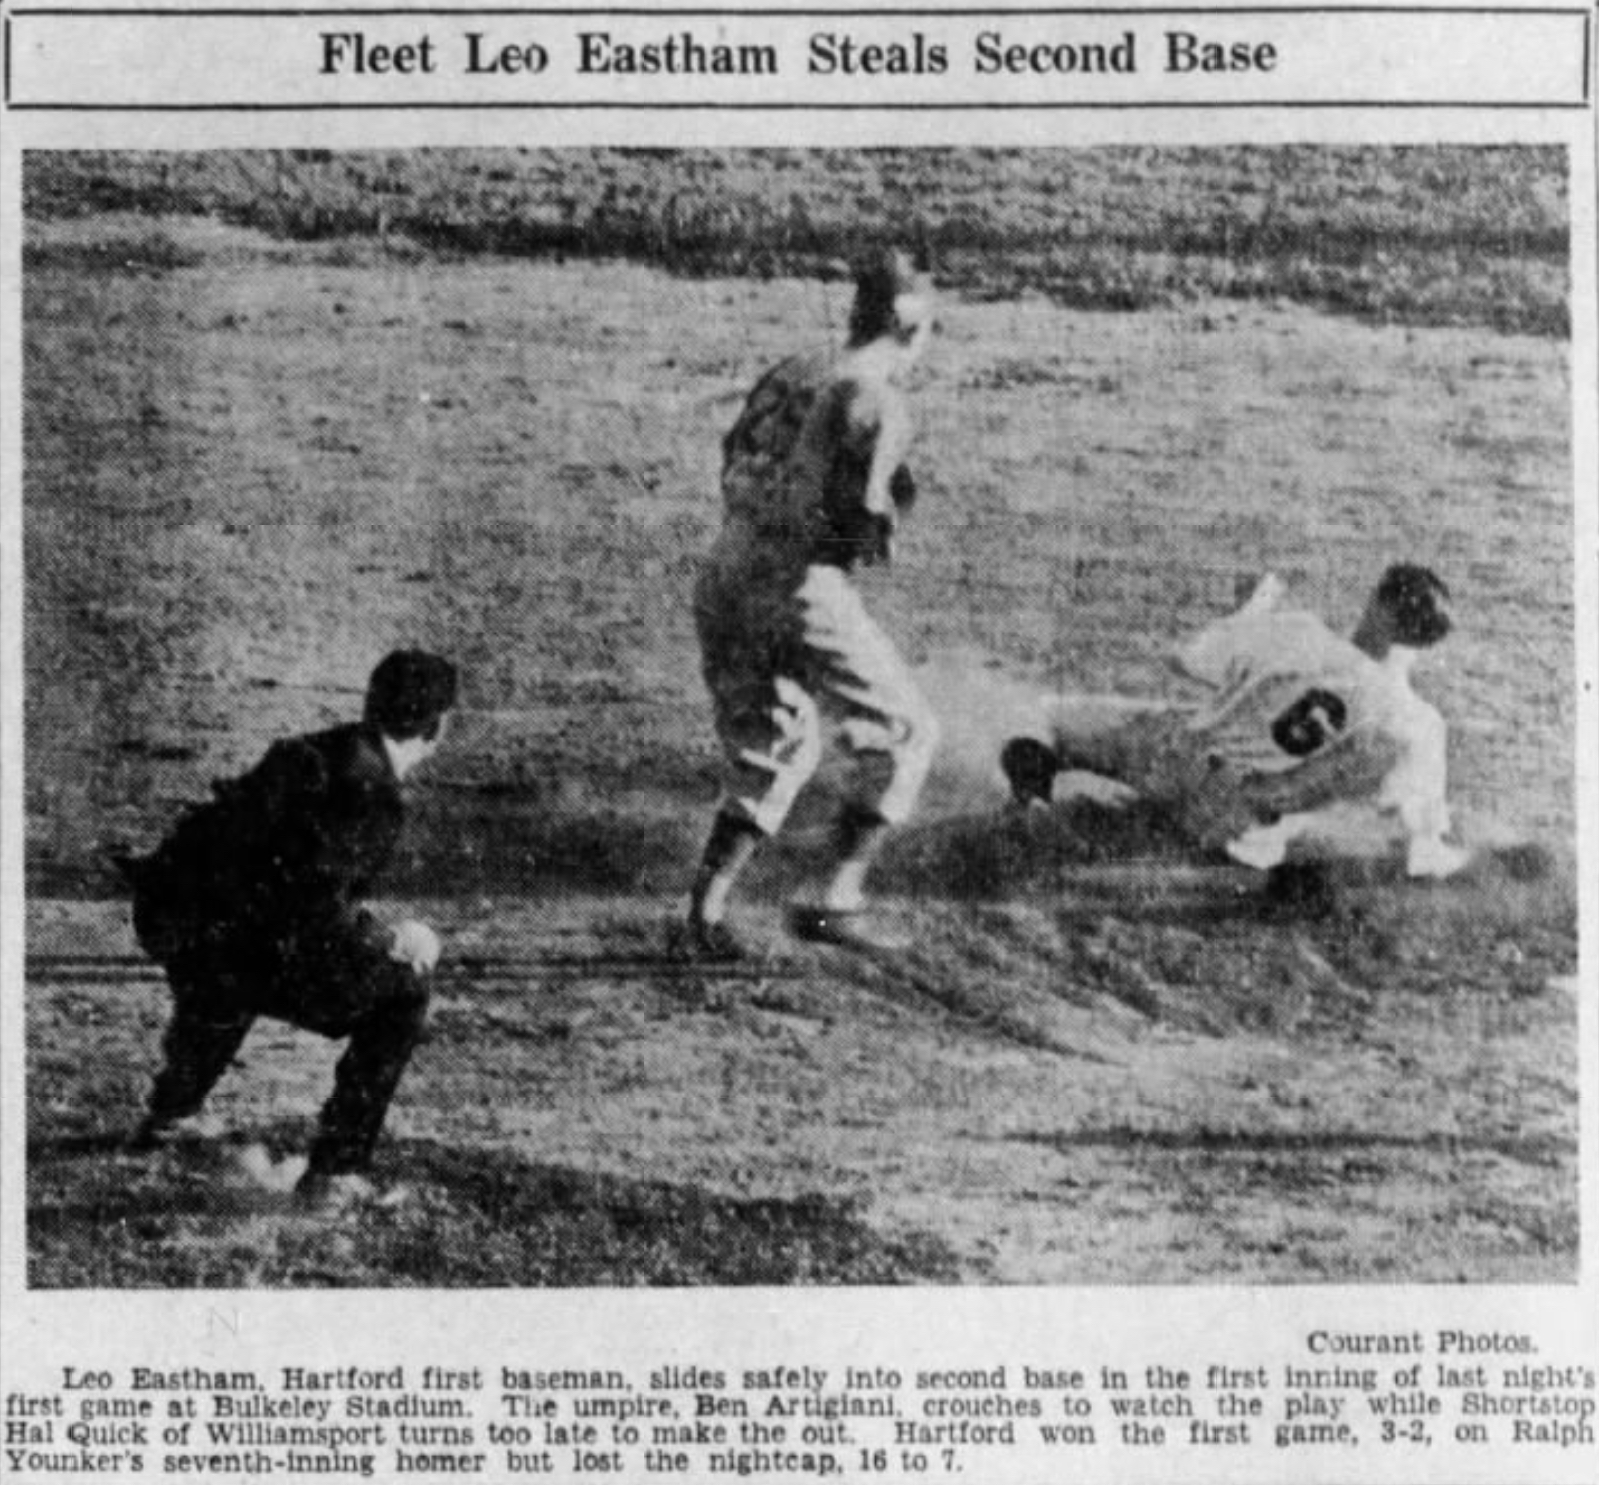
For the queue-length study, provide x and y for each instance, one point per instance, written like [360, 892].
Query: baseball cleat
[705, 940]
[857, 930]
[1030, 768]
[1304, 888]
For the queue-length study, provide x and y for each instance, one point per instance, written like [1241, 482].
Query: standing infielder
[252, 906]
[1304, 733]
[813, 482]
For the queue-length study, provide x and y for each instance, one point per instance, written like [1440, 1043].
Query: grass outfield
[1421, 235]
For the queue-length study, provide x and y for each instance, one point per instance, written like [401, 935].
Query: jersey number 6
[1309, 722]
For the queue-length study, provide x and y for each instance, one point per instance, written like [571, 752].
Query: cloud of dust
[979, 709]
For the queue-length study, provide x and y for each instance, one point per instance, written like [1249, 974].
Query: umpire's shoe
[156, 1133]
[333, 1194]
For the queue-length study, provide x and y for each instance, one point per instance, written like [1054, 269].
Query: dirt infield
[249, 475]
[1035, 1096]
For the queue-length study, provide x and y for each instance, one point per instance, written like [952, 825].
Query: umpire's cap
[1415, 596]
[410, 691]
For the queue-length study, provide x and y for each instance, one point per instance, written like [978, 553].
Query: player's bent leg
[900, 733]
[733, 842]
[772, 734]
[772, 754]
[887, 725]
[766, 722]
[1118, 737]
[842, 918]
[1148, 747]
[857, 673]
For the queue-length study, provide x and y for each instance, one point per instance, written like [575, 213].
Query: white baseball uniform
[1349, 751]
[784, 637]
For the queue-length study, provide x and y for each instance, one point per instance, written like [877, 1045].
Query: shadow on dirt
[481, 1217]
[494, 842]
[501, 841]
[532, 847]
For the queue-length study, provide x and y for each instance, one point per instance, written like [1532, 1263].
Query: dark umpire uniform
[252, 907]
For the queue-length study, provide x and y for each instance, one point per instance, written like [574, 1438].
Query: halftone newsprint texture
[974, 855]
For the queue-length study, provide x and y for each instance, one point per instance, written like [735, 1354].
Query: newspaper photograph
[783, 743]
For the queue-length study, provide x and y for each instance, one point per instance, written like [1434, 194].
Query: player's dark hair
[409, 693]
[1415, 596]
[879, 280]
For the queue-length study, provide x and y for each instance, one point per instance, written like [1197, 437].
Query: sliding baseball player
[1303, 733]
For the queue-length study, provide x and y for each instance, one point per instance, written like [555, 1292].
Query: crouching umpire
[252, 906]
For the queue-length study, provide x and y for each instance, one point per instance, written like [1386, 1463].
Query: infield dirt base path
[956, 1118]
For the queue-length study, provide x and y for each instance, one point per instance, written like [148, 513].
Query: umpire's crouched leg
[388, 1013]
